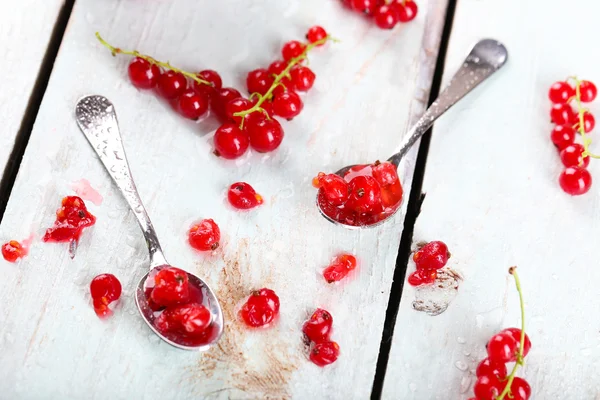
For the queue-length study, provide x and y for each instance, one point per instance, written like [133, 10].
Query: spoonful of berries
[178, 306]
[364, 196]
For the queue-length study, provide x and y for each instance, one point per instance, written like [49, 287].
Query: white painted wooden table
[491, 195]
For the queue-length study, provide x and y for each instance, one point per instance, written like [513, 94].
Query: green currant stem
[581, 128]
[278, 78]
[135, 53]
[520, 357]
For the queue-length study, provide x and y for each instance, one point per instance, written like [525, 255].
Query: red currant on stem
[575, 180]
[171, 84]
[235, 106]
[143, 74]
[230, 141]
[407, 10]
[587, 91]
[386, 16]
[287, 105]
[364, 6]
[561, 92]
[303, 78]
[316, 34]
[259, 81]
[243, 196]
[563, 114]
[265, 134]
[220, 100]
[571, 156]
[588, 122]
[292, 49]
[193, 104]
[562, 136]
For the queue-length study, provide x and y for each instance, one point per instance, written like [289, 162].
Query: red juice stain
[71, 219]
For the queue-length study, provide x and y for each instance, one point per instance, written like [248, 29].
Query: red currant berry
[192, 104]
[265, 134]
[588, 122]
[143, 74]
[422, 277]
[385, 173]
[105, 287]
[287, 105]
[365, 195]
[563, 114]
[292, 49]
[560, 92]
[562, 136]
[261, 308]
[502, 347]
[171, 84]
[334, 187]
[315, 34]
[302, 78]
[587, 91]
[220, 99]
[488, 387]
[230, 141]
[12, 251]
[71, 219]
[324, 353]
[211, 77]
[318, 328]
[488, 367]
[171, 287]
[386, 16]
[277, 67]
[339, 268]
[407, 10]
[520, 389]
[243, 196]
[434, 255]
[364, 6]
[259, 81]
[235, 106]
[575, 180]
[191, 319]
[571, 156]
[204, 235]
[516, 334]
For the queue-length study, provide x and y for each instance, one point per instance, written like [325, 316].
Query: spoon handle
[486, 57]
[97, 120]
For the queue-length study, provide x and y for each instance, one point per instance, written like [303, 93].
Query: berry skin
[315, 34]
[502, 347]
[422, 277]
[488, 387]
[277, 67]
[563, 114]
[192, 104]
[562, 136]
[488, 367]
[324, 353]
[385, 173]
[287, 104]
[339, 268]
[143, 74]
[364, 6]
[259, 81]
[575, 181]
[171, 84]
[516, 334]
[334, 187]
[171, 287]
[520, 389]
[104, 289]
[365, 195]
[261, 308]
[587, 91]
[221, 97]
[302, 78]
[243, 196]
[204, 235]
[432, 256]
[292, 49]
[588, 122]
[560, 92]
[407, 10]
[318, 328]
[235, 106]
[12, 251]
[191, 319]
[386, 16]
[265, 134]
[230, 141]
[212, 77]
[571, 156]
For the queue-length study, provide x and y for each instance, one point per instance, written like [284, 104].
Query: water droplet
[461, 365]
[465, 384]
[461, 340]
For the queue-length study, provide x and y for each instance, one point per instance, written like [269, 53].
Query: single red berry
[339, 268]
[587, 91]
[143, 74]
[230, 141]
[334, 187]
[324, 353]
[292, 49]
[364, 6]
[204, 235]
[287, 105]
[106, 288]
[265, 134]
[221, 97]
[302, 78]
[434, 255]
[386, 16]
[171, 287]
[571, 156]
[588, 122]
[318, 328]
[562, 136]
[407, 10]
[488, 387]
[502, 347]
[422, 277]
[235, 106]
[489, 367]
[243, 196]
[261, 308]
[520, 389]
[212, 77]
[365, 195]
[563, 114]
[575, 180]
[12, 251]
[191, 319]
[171, 84]
[560, 92]
[277, 67]
[315, 34]
[192, 104]
[385, 173]
[516, 334]
[259, 81]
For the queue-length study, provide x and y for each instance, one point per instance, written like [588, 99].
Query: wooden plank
[54, 346]
[25, 36]
[493, 196]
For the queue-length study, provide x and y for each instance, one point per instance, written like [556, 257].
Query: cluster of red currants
[317, 331]
[575, 179]
[386, 13]
[428, 258]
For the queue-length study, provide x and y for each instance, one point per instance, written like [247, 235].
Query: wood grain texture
[492, 195]
[54, 346]
[25, 36]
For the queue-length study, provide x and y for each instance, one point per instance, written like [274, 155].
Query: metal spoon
[486, 57]
[97, 120]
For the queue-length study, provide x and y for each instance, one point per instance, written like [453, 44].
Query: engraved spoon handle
[486, 57]
[97, 120]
